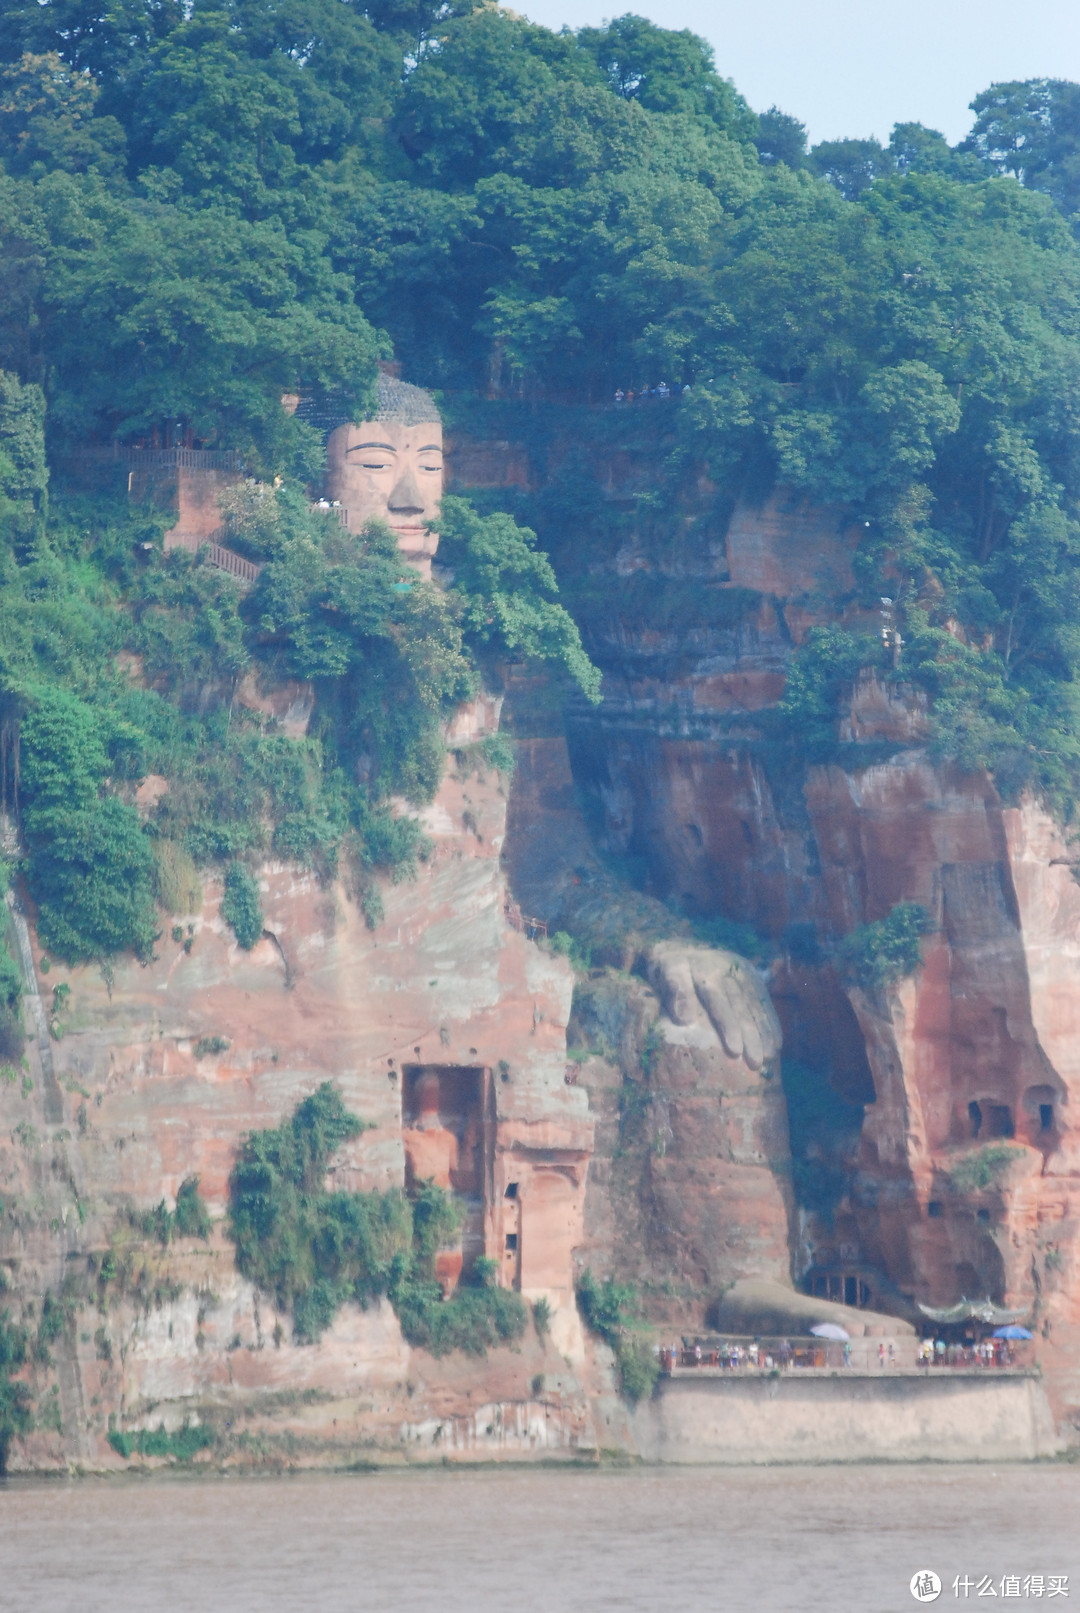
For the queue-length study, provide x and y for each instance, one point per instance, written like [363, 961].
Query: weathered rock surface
[160, 1071]
[968, 1069]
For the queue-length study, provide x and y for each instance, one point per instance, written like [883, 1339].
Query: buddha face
[393, 473]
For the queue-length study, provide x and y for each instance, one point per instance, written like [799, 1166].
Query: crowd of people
[733, 1355]
[646, 393]
[730, 1357]
[981, 1353]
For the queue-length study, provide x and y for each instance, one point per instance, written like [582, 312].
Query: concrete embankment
[951, 1417]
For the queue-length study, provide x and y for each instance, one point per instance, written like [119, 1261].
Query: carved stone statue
[389, 468]
[431, 1155]
[431, 1151]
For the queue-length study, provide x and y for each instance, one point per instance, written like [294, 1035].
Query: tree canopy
[206, 204]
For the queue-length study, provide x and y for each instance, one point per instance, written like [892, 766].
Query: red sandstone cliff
[161, 1069]
[965, 1179]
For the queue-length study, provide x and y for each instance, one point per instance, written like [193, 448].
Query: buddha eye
[375, 464]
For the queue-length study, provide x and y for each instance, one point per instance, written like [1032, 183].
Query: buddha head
[427, 1102]
[390, 468]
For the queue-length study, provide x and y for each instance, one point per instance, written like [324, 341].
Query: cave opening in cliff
[447, 1120]
[975, 1115]
[1000, 1120]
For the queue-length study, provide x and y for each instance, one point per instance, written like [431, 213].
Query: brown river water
[674, 1540]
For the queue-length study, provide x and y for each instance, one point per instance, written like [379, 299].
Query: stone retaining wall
[953, 1418]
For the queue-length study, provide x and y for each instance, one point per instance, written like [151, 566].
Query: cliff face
[161, 1069]
[966, 1179]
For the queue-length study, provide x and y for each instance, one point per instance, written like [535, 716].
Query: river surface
[676, 1540]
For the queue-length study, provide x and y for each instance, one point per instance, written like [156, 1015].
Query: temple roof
[977, 1310]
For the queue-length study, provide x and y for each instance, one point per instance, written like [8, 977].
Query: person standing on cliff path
[881, 1356]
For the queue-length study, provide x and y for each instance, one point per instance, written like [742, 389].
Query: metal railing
[867, 1357]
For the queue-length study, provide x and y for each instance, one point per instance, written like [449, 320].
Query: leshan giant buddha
[388, 469]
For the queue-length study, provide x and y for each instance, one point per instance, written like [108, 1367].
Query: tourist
[881, 1356]
[847, 1352]
[697, 1355]
[785, 1353]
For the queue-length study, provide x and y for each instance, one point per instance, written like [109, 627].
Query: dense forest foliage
[203, 205]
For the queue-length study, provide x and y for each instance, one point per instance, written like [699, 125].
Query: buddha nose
[406, 497]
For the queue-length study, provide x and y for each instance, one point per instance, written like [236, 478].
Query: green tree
[780, 138]
[850, 165]
[23, 473]
[48, 122]
[89, 864]
[667, 70]
[1031, 129]
[506, 585]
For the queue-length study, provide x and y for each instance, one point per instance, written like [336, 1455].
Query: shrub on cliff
[241, 905]
[820, 672]
[883, 953]
[609, 1310]
[983, 1167]
[89, 864]
[314, 1250]
[190, 1218]
[506, 587]
[15, 1406]
[12, 1038]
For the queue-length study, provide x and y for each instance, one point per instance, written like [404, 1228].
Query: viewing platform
[877, 1356]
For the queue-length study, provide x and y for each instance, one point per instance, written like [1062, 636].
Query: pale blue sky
[856, 67]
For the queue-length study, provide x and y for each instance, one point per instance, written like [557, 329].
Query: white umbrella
[829, 1330]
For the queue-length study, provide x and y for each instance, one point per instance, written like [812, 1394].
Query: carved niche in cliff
[447, 1131]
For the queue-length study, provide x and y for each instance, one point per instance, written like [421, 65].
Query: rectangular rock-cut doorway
[465, 1120]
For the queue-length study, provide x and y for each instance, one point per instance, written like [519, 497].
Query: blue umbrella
[1012, 1332]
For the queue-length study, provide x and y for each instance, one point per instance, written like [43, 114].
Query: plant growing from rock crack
[880, 954]
[983, 1167]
